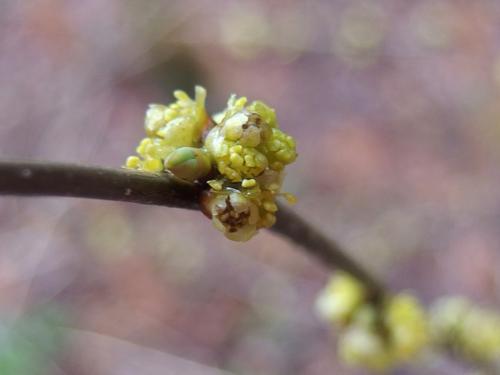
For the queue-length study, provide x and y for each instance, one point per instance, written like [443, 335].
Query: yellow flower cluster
[340, 299]
[169, 128]
[469, 330]
[240, 154]
[246, 141]
[375, 336]
[249, 152]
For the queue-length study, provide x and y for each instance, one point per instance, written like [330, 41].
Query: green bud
[188, 163]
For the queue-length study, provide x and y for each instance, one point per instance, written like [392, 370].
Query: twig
[299, 231]
[72, 180]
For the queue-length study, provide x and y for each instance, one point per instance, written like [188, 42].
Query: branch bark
[295, 228]
[72, 180]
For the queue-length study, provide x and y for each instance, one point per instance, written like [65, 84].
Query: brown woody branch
[27, 178]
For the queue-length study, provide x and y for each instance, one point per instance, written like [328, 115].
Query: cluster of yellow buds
[250, 153]
[373, 335]
[468, 330]
[176, 127]
[240, 155]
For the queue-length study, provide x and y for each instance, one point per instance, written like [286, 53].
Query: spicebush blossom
[240, 156]
[376, 336]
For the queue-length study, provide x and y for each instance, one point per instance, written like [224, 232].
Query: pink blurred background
[396, 109]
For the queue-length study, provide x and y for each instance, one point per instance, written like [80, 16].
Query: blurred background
[396, 109]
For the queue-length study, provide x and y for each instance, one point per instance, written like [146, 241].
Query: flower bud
[188, 163]
[365, 347]
[406, 323]
[341, 298]
[233, 214]
[471, 331]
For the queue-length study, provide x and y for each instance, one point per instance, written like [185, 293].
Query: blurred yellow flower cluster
[469, 330]
[373, 335]
[240, 154]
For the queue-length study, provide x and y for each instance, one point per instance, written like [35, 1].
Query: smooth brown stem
[72, 180]
[293, 227]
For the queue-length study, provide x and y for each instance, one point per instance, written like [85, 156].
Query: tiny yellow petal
[275, 145]
[141, 149]
[181, 95]
[277, 166]
[215, 184]
[249, 161]
[292, 199]
[247, 183]
[238, 149]
[274, 187]
[153, 165]
[270, 206]
[269, 220]
[133, 162]
[284, 155]
[236, 160]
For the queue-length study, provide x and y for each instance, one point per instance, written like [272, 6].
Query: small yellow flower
[361, 346]
[341, 298]
[234, 215]
[472, 331]
[407, 325]
[373, 335]
[133, 162]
